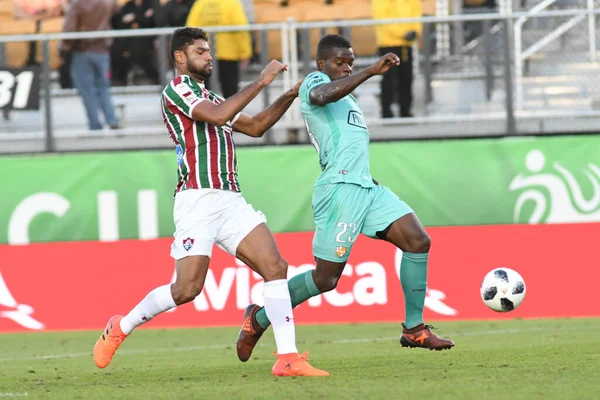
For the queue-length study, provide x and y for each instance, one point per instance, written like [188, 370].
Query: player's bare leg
[259, 251]
[327, 274]
[408, 234]
[191, 273]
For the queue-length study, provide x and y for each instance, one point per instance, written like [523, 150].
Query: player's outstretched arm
[219, 114]
[333, 91]
[257, 125]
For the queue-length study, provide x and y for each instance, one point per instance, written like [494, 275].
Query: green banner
[129, 195]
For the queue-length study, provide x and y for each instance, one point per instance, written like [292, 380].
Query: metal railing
[494, 67]
[522, 55]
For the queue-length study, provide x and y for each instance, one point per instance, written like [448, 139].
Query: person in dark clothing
[175, 12]
[129, 51]
[90, 58]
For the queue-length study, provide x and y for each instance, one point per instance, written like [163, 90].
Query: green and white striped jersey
[205, 153]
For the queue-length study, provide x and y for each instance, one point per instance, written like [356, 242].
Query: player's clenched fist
[384, 64]
[296, 87]
[272, 70]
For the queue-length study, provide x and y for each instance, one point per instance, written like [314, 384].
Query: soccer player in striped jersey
[209, 207]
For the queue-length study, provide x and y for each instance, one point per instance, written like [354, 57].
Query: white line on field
[224, 346]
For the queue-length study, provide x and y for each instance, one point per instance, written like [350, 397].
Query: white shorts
[204, 217]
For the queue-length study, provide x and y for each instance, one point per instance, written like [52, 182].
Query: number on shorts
[344, 226]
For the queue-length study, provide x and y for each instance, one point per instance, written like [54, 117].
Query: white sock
[278, 307]
[157, 301]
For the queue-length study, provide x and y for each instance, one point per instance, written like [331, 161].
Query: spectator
[175, 12]
[398, 39]
[90, 58]
[129, 51]
[233, 49]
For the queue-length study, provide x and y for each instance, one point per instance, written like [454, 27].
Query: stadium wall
[530, 204]
[129, 195]
[64, 286]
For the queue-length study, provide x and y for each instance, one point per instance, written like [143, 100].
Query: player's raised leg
[259, 251]
[408, 234]
[338, 220]
[191, 273]
[301, 287]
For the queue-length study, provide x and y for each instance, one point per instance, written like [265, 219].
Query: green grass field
[521, 359]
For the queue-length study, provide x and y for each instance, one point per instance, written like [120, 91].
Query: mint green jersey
[339, 134]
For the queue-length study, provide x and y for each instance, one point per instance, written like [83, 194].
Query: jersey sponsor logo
[179, 154]
[182, 87]
[355, 118]
[191, 98]
[315, 79]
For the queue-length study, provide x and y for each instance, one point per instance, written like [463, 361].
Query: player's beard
[198, 73]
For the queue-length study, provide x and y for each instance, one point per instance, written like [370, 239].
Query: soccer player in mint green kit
[348, 201]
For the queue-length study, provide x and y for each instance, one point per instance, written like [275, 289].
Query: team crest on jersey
[340, 251]
[188, 243]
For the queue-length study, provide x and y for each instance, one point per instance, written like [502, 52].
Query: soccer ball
[503, 289]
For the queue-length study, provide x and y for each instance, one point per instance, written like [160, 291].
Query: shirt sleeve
[313, 80]
[182, 97]
[235, 118]
[222, 99]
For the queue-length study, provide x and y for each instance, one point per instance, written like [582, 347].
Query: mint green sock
[302, 287]
[413, 276]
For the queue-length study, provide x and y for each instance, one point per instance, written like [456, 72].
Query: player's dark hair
[184, 37]
[329, 42]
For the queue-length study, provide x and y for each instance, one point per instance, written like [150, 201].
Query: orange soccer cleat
[109, 342]
[296, 365]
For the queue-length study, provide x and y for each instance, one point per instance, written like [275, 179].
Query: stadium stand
[266, 11]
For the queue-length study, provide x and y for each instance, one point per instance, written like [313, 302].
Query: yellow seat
[9, 26]
[52, 25]
[364, 42]
[7, 8]
[318, 12]
[269, 13]
[428, 7]
[16, 52]
[270, 2]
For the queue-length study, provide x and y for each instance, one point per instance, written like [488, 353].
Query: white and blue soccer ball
[503, 289]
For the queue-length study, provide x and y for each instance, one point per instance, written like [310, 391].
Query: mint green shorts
[343, 210]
